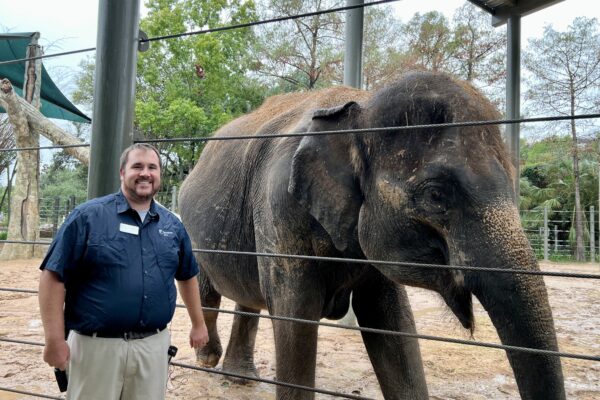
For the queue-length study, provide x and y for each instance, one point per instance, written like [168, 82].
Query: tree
[564, 75]
[382, 59]
[303, 53]
[478, 50]
[428, 40]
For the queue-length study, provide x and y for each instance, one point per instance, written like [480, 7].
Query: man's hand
[198, 336]
[57, 354]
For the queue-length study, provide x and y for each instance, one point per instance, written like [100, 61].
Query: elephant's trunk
[518, 304]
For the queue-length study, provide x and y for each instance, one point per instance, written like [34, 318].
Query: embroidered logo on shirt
[166, 233]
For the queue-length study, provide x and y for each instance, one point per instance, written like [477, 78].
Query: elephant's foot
[242, 368]
[209, 355]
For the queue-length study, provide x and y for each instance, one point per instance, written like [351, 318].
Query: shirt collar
[123, 205]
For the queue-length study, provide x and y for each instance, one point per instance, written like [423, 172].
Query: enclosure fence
[548, 232]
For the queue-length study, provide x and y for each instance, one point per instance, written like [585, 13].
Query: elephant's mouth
[453, 289]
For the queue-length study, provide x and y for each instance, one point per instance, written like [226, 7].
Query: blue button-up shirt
[118, 271]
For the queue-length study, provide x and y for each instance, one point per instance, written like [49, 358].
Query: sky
[71, 24]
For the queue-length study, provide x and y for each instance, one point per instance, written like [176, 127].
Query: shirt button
[145, 271]
[143, 249]
[145, 296]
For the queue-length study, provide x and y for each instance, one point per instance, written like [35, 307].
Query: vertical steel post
[592, 236]
[353, 78]
[546, 233]
[114, 92]
[174, 199]
[354, 42]
[513, 92]
[555, 239]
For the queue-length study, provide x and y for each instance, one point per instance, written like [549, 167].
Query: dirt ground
[453, 371]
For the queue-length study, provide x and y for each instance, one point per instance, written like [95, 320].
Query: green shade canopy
[54, 104]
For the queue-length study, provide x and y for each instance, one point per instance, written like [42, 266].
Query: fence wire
[205, 31]
[368, 330]
[369, 262]
[335, 132]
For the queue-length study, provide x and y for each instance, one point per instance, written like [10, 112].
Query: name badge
[132, 229]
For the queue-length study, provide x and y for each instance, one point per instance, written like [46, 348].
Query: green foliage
[191, 86]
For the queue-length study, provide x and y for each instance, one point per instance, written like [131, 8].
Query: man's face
[140, 178]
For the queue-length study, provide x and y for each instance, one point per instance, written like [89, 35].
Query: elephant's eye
[436, 199]
[435, 195]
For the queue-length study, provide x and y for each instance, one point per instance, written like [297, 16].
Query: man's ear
[322, 177]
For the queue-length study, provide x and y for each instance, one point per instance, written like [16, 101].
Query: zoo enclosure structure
[511, 122]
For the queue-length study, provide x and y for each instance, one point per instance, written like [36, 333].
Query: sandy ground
[453, 371]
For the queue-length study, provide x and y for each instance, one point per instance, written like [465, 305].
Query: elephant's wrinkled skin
[436, 195]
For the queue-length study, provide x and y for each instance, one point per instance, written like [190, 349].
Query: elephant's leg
[210, 354]
[239, 357]
[381, 304]
[298, 295]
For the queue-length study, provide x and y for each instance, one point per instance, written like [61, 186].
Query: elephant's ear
[323, 178]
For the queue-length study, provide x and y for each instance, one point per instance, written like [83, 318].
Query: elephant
[436, 194]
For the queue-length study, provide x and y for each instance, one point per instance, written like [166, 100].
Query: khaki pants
[115, 369]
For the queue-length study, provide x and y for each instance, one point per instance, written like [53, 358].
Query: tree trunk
[580, 248]
[24, 212]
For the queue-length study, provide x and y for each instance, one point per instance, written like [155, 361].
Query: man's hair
[138, 146]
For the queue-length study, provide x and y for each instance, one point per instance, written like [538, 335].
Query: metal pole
[354, 42]
[353, 78]
[592, 234]
[546, 233]
[556, 239]
[114, 92]
[174, 199]
[513, 92]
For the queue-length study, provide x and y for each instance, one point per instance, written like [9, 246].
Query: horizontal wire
[368, 262]
[411, 335]
[58, 146]
[278, 383]
[294, 386]
[382, 332]
[266, 21]
[375, 130]
[44, 396]
[324, 133]
[400, 263]
[64, 53]
[204, 31]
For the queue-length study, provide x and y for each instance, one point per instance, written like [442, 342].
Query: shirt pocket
[167, 253]
[106, 253]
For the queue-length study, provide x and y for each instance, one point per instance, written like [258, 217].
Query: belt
[123, 335]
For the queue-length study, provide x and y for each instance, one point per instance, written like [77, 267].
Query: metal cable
[204, 31]
[45, 396]
[361, 329]
[267, 21]
[370, 262]
[411, 335]
[335, 132]
[377, 130]
[58, 146]
[5, 289]
[400, 263]
[64, 53]
[279, 383]
[322, 391]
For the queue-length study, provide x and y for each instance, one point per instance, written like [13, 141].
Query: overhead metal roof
[501, 10]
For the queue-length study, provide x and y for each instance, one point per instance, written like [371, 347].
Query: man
[112, 266]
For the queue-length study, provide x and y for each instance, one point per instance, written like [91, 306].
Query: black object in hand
[61, 379]
[172, 352]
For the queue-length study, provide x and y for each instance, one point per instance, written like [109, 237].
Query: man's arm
[190, 294]
[52, 299]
